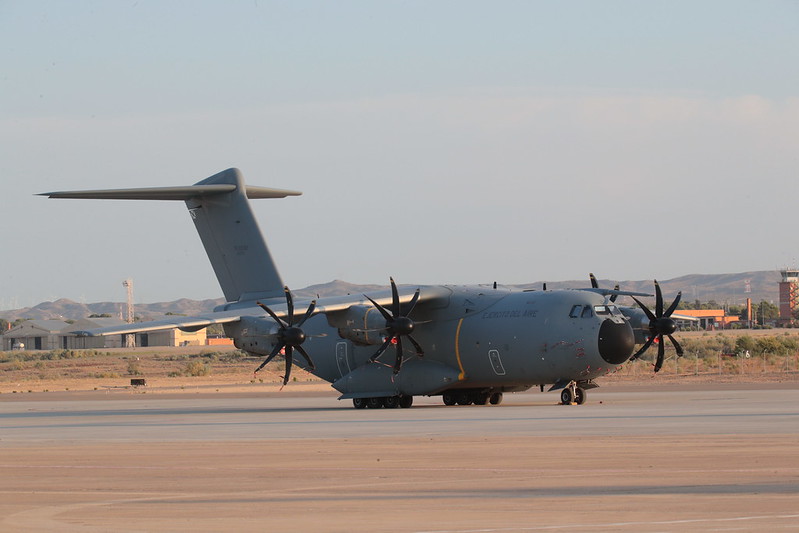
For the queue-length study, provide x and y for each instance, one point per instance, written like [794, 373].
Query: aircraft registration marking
[514, 313]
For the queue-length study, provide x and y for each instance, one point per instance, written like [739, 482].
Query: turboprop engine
[362, 324]
[256, 336]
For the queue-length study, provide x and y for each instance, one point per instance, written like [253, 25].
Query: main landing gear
[389, 402]
[573, 394]
[465, 397]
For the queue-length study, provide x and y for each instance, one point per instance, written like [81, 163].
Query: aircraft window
[575, 312]
[602, 310]
[586, 312]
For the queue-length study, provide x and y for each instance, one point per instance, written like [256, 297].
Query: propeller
[660, 323]
[289, 334]
[398, 325]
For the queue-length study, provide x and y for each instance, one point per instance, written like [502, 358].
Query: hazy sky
[438, 142]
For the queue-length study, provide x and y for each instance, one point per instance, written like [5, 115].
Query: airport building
[789, 296]
[58, 335]
[709, 319]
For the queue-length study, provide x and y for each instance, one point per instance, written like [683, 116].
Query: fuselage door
[341, 359]
[496, 362]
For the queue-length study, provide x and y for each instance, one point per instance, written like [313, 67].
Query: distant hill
[65, 309]
[723, 288]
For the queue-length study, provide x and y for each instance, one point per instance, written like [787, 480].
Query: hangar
[57, 335]
[34, 335]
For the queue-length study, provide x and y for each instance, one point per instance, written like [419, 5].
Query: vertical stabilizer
[234, 243]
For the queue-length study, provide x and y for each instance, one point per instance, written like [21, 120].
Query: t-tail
[223, 217]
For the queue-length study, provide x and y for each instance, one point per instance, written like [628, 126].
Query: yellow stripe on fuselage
[462, 375]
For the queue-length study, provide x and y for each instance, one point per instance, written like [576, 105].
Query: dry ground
[217, 369]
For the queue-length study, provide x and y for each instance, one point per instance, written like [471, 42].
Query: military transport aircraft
[468, 344]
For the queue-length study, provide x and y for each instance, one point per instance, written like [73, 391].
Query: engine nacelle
[639, 322]
[254, 335]
[361, 324]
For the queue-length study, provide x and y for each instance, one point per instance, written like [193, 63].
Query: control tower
[789, 296]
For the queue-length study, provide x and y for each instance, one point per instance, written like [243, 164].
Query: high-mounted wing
[185, 323]
[235, 311]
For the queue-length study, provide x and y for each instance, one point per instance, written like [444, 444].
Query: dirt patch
[222, 370]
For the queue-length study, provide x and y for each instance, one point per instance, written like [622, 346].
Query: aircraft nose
[616, 341]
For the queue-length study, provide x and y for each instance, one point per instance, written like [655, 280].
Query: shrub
[745, 343]
[196, 368]
[769, 345]
[134, 369]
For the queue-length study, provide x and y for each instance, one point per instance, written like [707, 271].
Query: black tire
[359, 403]
[374, 403]
[480, 398]
[449, 398]
[566, 397]
[391, 402]
[580, 395]
[463, 398]
[405, 401]
[495, 398]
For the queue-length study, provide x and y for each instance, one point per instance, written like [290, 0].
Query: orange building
[218, 341]
[709, 319]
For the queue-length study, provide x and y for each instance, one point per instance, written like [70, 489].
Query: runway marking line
[619, 524]
[558, 471]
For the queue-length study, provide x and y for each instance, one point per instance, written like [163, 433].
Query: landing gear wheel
[566, 396]
[463, 398]
[405, 401]
[449, 398]
[495, 398]
[374, 403]
[391, 402]
[480, 398]
[579, 395]
[359, 403]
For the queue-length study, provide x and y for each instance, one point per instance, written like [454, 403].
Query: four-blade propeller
[398, 325]
[660, 323]
[289, 335]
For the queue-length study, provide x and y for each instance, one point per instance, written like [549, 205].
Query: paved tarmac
[676, 459]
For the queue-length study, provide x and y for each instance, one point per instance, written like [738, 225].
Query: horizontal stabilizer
[171, 193]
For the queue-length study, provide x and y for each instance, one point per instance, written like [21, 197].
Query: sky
[435, 142]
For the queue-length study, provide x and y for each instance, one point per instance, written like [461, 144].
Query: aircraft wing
[186, 323]
[614, 292]
[678, 316]
[235, 311]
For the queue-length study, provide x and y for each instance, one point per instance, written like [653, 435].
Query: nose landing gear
[573, 394]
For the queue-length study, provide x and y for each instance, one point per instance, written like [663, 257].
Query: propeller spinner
[289, 334]
[660, 324]
[398, 326]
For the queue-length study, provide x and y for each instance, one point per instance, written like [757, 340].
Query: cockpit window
[586, 312]
[575, 312]
[604, 310]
